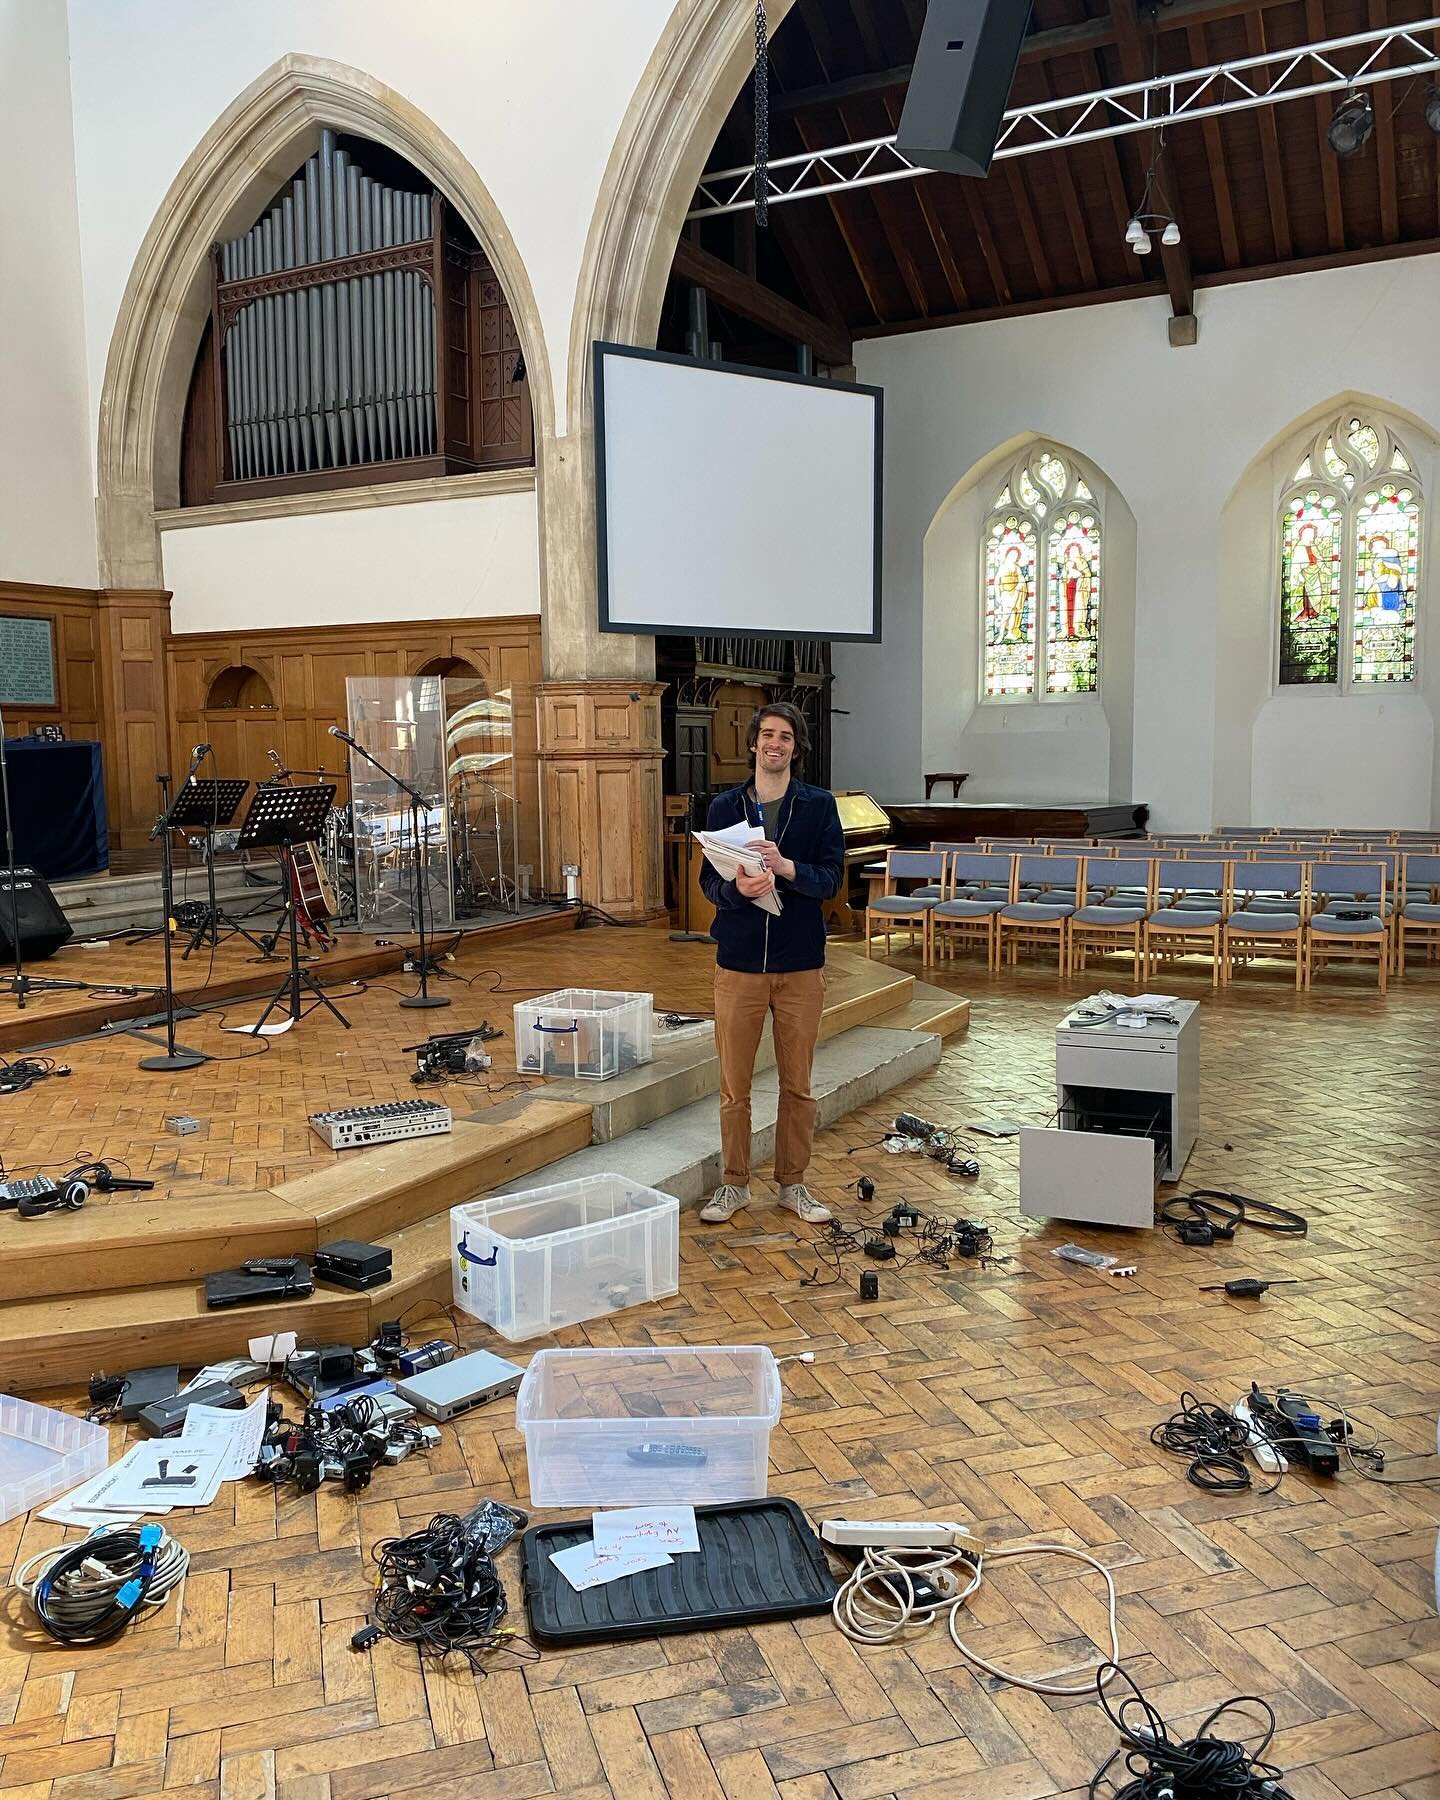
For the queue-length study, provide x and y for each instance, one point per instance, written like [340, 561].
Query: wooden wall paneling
[601, 777]
[74, 620]
[135, 707]
[735, 705]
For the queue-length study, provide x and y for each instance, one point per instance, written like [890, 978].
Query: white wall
[47, 514]
[442, 559]
[1174, 431]
[531, 91]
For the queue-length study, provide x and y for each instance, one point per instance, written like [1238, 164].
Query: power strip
[898, 1534]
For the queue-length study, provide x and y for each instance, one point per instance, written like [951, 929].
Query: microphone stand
[21, 984]
[174, 1058]
[422, 880]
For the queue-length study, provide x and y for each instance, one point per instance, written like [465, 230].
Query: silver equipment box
[455, 1387]
[355, 1127]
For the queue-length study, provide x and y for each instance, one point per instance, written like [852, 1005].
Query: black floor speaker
[960, 84]
[43, 927]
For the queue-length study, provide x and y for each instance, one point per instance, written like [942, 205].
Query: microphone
[197, 756]
[344, 737]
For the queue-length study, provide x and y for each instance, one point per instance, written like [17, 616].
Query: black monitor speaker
[43, 927]
[960, 84]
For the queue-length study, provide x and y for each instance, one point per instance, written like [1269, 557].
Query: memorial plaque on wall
[27, 662]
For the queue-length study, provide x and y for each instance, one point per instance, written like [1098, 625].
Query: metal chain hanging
[762, 116]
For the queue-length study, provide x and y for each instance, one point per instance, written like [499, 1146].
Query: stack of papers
[725, 853]
[627, 1542]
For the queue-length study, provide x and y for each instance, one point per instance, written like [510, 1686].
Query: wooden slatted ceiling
[1258, 191]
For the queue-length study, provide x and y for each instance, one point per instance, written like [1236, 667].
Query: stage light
[1171, 234]
[1432, 110]
[1141, 245]
[1350, 129]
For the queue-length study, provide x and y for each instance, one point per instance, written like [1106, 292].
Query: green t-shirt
[770, 812]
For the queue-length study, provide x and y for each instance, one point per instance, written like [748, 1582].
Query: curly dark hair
[793, 717]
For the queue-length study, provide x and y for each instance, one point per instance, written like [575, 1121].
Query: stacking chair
[1418, 917]
[1348, 915]
[981, 886]
[1267, 913]
[1189, 912]
[1118, 900]
[910, 910]
[1054, 888]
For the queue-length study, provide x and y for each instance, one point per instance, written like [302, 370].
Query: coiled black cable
[1199, 1768]
[1213, 1439]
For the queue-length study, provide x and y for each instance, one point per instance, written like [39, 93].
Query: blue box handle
[559, 1030]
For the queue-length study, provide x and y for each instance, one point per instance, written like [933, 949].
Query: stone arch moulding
[704, 56]
[239, 163]
[1307, 423]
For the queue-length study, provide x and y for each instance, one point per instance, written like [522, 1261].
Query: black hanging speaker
[960, 83]
[43, 927]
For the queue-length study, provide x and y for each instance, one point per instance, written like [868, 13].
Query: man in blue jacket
[765, 964]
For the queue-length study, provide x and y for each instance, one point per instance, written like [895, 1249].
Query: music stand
[286, 816]
[172, 1058]
[209, 805]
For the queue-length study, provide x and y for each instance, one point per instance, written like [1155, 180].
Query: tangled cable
[1213, 1439]
[1210, 1214]
[87, 1593]
[1199, 1768]
[889, 1589]
[439, 1588]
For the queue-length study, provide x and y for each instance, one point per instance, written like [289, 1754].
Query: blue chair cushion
[1332, 926]
[901, 904]
[1259, 922]
[1174, 918]
[1037, 912]
[1110, 914]
[930, 891]
[963, 908]
[1422, 912]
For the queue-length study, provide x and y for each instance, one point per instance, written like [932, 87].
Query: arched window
[1042, 582]
[1350, 559]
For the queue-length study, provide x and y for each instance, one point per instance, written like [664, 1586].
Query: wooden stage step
[119, 1284]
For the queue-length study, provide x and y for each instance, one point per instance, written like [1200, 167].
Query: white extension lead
[878, 1601]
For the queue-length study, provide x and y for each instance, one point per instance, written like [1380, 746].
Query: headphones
[67, 1197]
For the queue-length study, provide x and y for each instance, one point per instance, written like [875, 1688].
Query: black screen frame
[599, 352]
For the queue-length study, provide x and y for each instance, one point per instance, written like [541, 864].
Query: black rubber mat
[758, 1560]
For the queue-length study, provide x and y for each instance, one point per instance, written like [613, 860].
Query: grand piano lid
[858, 812]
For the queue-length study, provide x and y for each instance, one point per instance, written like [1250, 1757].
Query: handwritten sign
[27, 662]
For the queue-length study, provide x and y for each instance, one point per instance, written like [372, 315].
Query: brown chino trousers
[795, 1002]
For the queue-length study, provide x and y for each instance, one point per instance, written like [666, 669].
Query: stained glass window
[1072, 640]
[1387, 560]
[1042, 582]
[1010, 607]
[1312, 546]
[1350, 560]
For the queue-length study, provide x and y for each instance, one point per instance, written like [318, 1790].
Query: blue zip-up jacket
[809, 834]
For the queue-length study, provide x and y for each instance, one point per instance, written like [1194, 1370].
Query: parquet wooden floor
[1021, 1397]
[254, 1102]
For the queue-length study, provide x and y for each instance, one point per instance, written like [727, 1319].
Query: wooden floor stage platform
[120, 1280]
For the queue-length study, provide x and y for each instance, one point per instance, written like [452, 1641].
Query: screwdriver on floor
[1246, 1287]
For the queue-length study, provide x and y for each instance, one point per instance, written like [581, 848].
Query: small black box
[144, 1386]
[242, 1287]
[353, 1265]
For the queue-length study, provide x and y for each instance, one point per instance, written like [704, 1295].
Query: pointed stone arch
[249, 152]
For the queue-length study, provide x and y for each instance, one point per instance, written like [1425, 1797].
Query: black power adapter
[881, 1249]
[869, 1285]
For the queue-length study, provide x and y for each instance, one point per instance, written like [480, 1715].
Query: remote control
[683, 1456]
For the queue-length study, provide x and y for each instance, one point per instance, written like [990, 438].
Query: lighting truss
[1335, 66]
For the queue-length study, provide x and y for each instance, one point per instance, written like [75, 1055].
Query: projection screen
[735, 501]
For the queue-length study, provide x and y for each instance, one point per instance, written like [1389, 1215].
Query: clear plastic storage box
[44, 1453]
[531, 1263]
[585, 1032]
[627, 1427]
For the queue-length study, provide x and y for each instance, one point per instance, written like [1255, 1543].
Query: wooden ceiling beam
[939, 237]
[1329, 163]
[1063, 40]
[1270, 157]
[1215, 161]
[1174, 258]
[1070, 198]
[744, 295]
[1025, 218]
[1385, 142]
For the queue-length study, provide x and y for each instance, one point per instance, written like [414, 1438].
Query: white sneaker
[798, 1198]
[725, 1203]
